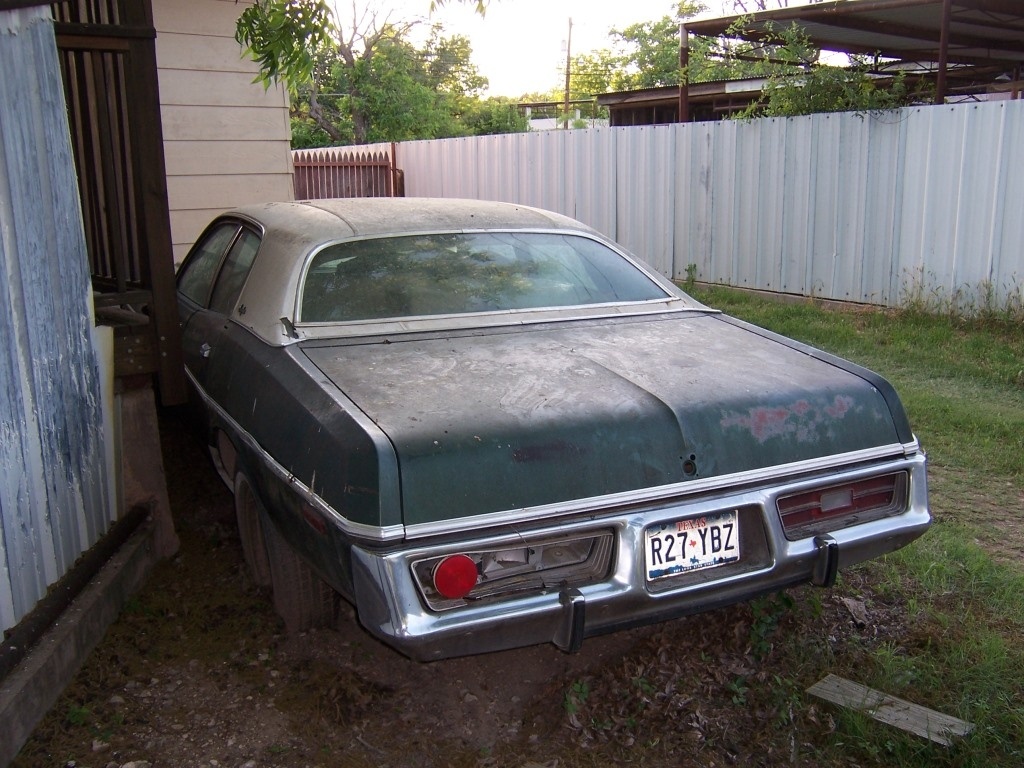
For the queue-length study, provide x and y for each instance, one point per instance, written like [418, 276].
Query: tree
[356, 79]
[494, 115]
[646, 55]
[391, 95]
[448, 64]
[653, 59]
[284, 36]
[806, 86]
[397, 100]
[592, 73]
[648, 52]
[399, 93]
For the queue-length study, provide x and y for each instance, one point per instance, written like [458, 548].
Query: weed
[691, 278]
[767, 611]
[643, 685]
[133, 605]
[738, 689]
[78, 715]
[576, 697]
[814, 604]
[921, 293]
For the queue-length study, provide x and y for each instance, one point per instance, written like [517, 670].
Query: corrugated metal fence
[55, 497]
[924, 202]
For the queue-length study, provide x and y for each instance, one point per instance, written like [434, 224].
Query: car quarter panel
[305, 428]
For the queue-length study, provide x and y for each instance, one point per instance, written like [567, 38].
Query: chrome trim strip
[662, 493]
[495, 319]
[357, 530]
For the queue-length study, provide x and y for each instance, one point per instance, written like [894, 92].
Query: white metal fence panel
[961, 230]
[645, 194]
[1008, 219]
[924, 202]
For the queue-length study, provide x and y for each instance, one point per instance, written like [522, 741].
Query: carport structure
[965, 47]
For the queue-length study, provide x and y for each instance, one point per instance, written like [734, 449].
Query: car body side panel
[300, 425]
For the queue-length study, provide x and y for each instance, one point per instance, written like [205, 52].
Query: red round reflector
[455, 576]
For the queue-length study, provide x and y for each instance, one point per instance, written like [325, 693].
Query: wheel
[250, 531]
[301, 597]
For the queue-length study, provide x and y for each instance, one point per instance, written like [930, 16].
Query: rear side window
[195, 280]
[235, 270]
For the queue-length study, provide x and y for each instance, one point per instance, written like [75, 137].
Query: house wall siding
[55, 497]
[226, 139]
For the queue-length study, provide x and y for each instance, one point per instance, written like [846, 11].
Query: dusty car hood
[504, 419]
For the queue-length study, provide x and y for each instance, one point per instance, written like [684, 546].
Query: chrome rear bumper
[390, 607]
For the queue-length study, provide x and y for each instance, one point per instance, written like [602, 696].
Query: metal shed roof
[979, 32]
[966, 47]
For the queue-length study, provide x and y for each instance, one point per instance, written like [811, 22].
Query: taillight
[455, 577]
[494, 573]
[839, 506]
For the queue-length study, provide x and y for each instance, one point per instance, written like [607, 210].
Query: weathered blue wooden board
[54, 499]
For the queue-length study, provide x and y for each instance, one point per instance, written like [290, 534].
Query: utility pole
[940, 80]
[568, 65]
[683, 111]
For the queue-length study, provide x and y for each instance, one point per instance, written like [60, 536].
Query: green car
[487, 426]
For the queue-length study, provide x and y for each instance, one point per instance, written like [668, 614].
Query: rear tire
[301, 598]
[250, 531]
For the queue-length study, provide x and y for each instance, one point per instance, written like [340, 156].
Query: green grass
[960, 589]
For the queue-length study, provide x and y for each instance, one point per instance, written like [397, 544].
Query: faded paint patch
[547, 453]
[803, 420]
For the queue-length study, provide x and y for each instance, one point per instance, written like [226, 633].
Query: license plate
[693, 544]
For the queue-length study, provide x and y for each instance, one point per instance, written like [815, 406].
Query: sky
[519, 46]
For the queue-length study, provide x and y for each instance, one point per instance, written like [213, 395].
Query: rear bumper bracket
[570, 634]
[826, 566]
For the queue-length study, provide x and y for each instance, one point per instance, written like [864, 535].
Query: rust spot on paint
[801, 420]
[839, 407]
[316, 522]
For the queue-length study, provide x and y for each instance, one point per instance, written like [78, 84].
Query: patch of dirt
[199, 672]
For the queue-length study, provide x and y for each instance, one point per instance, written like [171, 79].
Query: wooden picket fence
[345, 172]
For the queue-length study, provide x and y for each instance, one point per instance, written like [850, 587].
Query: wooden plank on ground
[940, 728]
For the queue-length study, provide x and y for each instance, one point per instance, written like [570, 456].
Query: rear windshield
[444, 274]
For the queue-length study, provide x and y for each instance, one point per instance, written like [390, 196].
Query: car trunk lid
[487, 421]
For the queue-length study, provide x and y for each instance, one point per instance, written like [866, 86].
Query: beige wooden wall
[226, 139]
